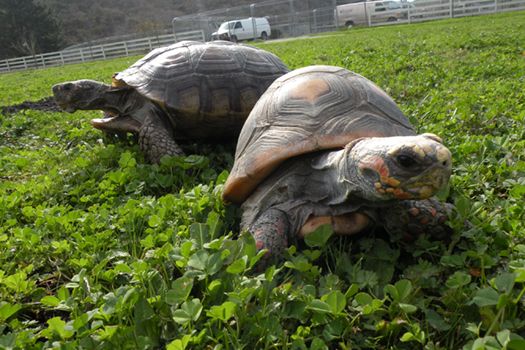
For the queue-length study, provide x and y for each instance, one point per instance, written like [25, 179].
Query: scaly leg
[156, 141]
[270, 232]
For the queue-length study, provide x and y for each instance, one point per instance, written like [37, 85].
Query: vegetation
[83, 21]
[29, 27]
[100, 250]
[92, 22]
[26, 28]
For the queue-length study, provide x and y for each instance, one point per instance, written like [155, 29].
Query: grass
[100, 250]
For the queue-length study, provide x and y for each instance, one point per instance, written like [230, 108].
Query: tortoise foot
[415, 217]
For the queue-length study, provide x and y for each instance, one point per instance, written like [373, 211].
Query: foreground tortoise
[324, 145]
[186, 91]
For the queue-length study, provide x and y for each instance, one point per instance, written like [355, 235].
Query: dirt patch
[47, 104]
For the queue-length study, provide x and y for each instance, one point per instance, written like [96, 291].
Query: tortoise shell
[206, 79]
[308, 110]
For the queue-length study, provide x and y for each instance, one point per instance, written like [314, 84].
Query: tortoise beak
[436, 177]
[117, 124]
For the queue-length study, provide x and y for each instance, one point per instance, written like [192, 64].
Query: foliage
[100, 250]
[26, 28]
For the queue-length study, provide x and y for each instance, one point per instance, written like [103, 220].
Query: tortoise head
[80, 94]
[402, 167]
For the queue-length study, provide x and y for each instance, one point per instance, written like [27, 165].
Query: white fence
[392, 12]
[98, 52]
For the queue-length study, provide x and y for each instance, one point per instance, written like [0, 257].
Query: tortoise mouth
[63, 103]
[429, 183]
[116, 124]
[66, 107]
[423, 186]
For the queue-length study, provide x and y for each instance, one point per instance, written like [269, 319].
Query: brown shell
[197, 82]
[310, 109]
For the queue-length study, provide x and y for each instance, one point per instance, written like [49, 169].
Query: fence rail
[97, 52]
[427, 10]
[287, 19]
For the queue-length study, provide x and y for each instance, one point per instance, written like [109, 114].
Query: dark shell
[196, 81]
[307, 110]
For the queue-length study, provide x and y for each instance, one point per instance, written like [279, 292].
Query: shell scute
[262, 63]
[219, 61]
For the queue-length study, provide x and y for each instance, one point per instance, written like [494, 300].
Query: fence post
[82, 54]
[292, 14]
[254, 22]
[368, 15]
[173, 24]
[8, 66]
[61, 58]
[495, 5]
[336, 17]
[43, 60]
[314, 14]
[451, 5]
[126, 48]
[149, 43]
[103, 52]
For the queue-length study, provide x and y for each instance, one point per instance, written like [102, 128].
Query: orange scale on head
[392, 182]
[400, 194]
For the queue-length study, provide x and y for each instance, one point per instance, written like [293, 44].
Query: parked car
[379, 11]
[243, 29]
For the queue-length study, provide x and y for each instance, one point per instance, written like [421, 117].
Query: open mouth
[116, 124]
[423, 192]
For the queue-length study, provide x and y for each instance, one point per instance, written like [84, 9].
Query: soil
[47, 104]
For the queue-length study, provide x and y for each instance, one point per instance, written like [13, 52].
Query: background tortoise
[186, 91]
[324, 145]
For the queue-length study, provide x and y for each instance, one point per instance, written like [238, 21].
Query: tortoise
[324, 145]
[186, 91]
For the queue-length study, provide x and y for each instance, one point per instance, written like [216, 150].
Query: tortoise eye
[406, 161]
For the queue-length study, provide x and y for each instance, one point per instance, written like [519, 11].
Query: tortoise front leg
[413, 217]
[156, 140]
[270, 232]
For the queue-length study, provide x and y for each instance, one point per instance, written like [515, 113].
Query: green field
[99, 250]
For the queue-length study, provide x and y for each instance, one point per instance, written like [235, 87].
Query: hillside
[82, 21]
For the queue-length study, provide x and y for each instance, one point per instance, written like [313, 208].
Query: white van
[243, 29]
[377, 11]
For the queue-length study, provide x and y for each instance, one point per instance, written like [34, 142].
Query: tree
[26, 28]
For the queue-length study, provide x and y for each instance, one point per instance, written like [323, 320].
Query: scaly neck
[118, 101]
